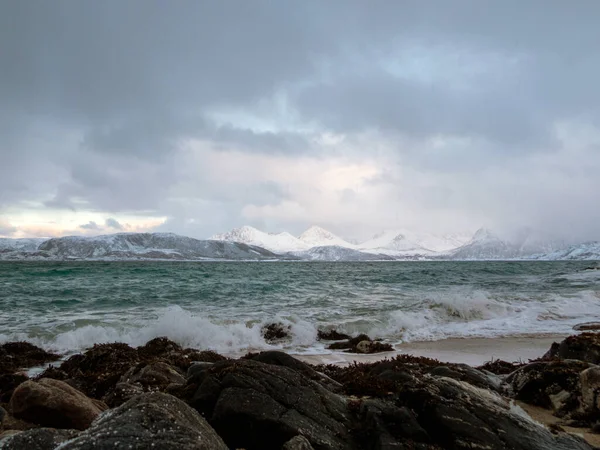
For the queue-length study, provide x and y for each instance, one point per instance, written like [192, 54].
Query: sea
[222, 306]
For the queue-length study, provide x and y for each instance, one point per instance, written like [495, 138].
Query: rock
[331, 335]
[198, 367]
[155, 375]
[297, 443]
[54, 403]
[590, 388]
[499, 367]
[542, 384]
[273, 332]
[8, 383]
[254, 405]
[361, 344]
[583, 347]
[587, 326]
[458, 415]
[3, 414]
[121, 393]
[37, 439]
[22, 355]
[151, 420]
[463, 372]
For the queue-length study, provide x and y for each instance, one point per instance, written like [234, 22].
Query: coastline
[471, 351]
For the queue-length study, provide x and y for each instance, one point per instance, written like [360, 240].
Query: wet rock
[8, 383]
[198, 367]
[158, 347]
[499, 367]
[54, 403]
[463, 372]
[37, 439]
[254, 405]
[332, 335]
[590, 389]
[151, 420]
[297, 443]
[22, 355]
[587, 326]
[3, 414]
[583, 347]
[542, 384]
[273, 332]
[156, 375]
[121, 393]
[458, 415]
[361, 344]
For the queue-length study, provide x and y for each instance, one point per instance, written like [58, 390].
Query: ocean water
[222, 306]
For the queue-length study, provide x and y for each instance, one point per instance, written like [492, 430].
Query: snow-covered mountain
[318, 237]
[337, 253]
[142, 245]
[406, 242]
[23, 244]
[589, 251]
[278, 243]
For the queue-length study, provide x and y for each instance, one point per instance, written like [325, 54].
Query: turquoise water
[68, 306]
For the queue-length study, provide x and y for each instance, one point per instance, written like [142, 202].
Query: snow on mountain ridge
[277, 243]
[316, 236]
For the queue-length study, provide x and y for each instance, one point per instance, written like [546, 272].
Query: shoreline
[471, 351]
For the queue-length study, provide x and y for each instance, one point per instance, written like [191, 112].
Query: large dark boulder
[53, 403]
[153, 420]
[253, 405]
[553, 385]
[583, 347]
[456, 415]
[37, 439]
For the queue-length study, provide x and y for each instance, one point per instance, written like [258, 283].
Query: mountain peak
[316, 236]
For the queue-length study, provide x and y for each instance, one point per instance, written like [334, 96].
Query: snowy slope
[588, 251]
[277, 243]
[148, 245]
[337, 253]
[25, 244]
[485, 245]
[318, 237]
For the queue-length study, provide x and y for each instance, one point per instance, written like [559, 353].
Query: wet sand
[474, 351]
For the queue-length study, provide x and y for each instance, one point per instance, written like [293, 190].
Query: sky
[196, 117]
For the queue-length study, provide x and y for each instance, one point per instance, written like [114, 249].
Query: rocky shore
[166, 397]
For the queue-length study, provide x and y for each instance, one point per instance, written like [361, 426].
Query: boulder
[587, 326]
[297, 443]
[155, 375]
[273, 332]
[37, 439]
[332, 335]
[151, 420]
[54, 403]
[361, 344]
[458, 415]
[463, 372]
[8, 383]
[582, 347]
[253, 405]
[197, 367]
[3, 414]
[590, 388]
[121, 393]
[552, 384]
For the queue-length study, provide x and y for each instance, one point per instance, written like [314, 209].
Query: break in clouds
[195, 117]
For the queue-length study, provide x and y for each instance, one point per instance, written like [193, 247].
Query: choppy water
[69, 306]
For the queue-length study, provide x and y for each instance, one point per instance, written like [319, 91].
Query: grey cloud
[113, 223]
[91, 225]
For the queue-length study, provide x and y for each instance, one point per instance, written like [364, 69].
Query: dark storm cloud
[95, 97]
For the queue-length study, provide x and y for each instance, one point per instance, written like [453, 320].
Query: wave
[435, 316]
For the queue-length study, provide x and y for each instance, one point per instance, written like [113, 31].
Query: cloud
[90, 226]
[113, 223]
[211, 115]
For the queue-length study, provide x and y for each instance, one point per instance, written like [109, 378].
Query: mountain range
[315, 244]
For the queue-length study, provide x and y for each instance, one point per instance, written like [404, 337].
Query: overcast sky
[199, 116]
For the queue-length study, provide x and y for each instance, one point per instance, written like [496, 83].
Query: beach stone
[297, 443]
[458, 415]
[37, 439]
[363, 347]
[590, 388]
[254, 405]
[150, 420]
[54, 403]
[538, 382]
